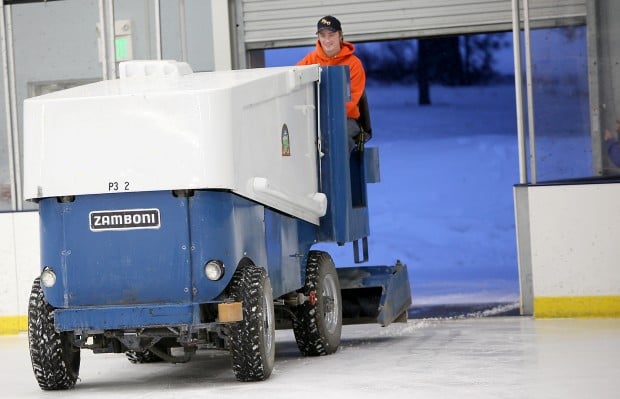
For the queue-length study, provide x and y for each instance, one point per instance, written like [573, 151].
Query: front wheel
[55, 361]
[252, 340]
[318, 322]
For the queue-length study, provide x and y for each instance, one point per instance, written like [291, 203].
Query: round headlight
[214, 270]
[48, 277]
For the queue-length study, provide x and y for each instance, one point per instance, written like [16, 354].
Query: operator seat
[364, 120]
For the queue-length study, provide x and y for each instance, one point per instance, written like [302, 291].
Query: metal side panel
[116, 249]
[372, 173]
[126, 317]
[233, 229]
[342, 172]
[524, 247]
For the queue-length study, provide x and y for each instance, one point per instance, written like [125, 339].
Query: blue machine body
[152, 274]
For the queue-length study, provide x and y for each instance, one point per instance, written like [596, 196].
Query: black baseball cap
[330, 23]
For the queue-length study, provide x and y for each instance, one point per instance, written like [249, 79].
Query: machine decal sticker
[124, 219]
[286, 144]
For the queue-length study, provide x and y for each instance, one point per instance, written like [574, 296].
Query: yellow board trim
[13, 324]
[577, 306]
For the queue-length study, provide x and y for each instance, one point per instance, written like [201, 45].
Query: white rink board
[574, 240]
[19, 260]
[164, 128]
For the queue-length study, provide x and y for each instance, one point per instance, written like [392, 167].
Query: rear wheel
[252, 340]
[318, 322]
[55, 361]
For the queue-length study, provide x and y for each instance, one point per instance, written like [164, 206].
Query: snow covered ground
[444, 204]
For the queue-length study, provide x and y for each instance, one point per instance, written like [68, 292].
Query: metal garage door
[283, 23]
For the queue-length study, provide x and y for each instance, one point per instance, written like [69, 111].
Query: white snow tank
[163, 127]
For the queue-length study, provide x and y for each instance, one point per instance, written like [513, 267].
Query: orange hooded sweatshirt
[356, 70]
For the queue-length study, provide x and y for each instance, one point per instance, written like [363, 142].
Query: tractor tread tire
[252, 359]
[309, 326]
[55, 361]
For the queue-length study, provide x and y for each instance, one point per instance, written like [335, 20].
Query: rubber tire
[252, 340]
[318, 326]
[55, 361]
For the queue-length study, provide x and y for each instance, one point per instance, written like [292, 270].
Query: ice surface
[464, 357]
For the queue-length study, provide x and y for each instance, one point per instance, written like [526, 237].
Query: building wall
[19, 266]
[282, 23]
[57, 41]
